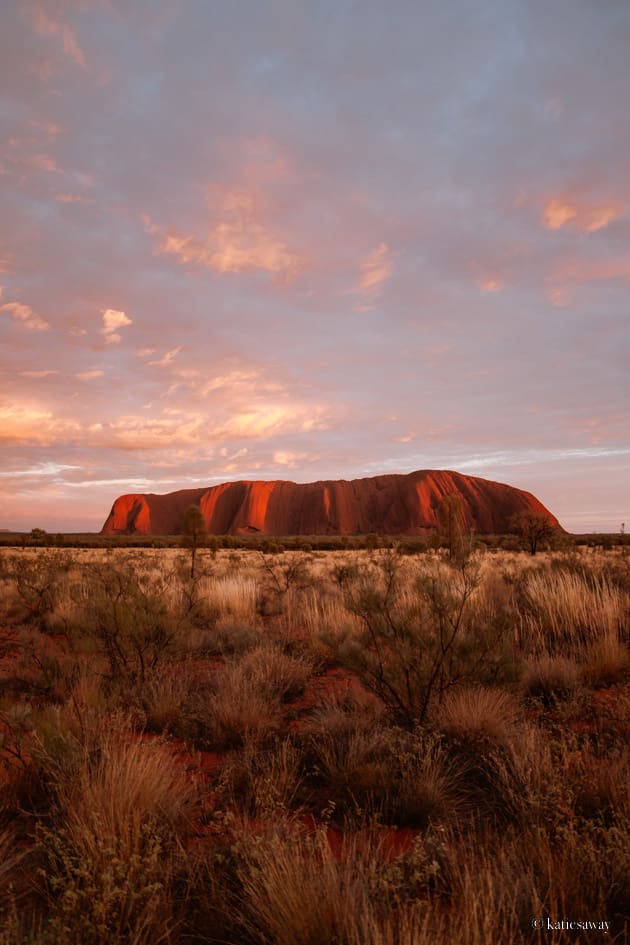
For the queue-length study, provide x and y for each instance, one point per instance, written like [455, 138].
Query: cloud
[581, 271]
[288, 458]
[24, 424]
[588, 218]
[238, 242]
[25, 315]
[89, 375]
[112, 321]
[37, 374]
[376, 269]
[45, 25]
[559, 296]
[236, 380]
[167, 358]
[491, 285]
[71, 198]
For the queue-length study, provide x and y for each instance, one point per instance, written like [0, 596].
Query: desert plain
[388, 745]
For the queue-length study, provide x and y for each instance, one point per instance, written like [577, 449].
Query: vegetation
[195, 534]
[387, 746]
[533, 528]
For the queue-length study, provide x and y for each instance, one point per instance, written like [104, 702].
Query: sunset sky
[313, 240]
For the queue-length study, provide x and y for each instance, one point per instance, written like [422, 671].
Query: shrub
[551, 678]
[413, 647]
[479, 715]
[111, 855]
[243, 699]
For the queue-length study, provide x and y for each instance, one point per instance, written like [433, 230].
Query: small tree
[532, 527]
[195, 534]
[411, 649]
[450, 516]
[39, 536]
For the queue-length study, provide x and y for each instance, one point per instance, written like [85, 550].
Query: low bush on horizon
[301, 747]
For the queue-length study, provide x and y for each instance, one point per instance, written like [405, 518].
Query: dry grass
[509, 795]
[232, 596]
[121, 786]
[477, 714]
[551, 678]
[571, 610]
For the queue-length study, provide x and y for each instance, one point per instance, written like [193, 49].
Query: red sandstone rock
[391, 504]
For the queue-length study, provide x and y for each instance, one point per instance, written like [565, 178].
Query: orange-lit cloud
[288, 458]
[588, 218]
[239, 241]
[614, 269]
[89, 375]
[25, 424]
[24, 315]
[37, 374]
[166, 359]
[491, 285]
[46, 25]
[70, 198]
[559, 297]
[113, 320]
[266, 419]
[240, 381]
[376, 269]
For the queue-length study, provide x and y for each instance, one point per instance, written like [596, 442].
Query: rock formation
[389, 504]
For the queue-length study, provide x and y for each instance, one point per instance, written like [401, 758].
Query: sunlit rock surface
[390, 504]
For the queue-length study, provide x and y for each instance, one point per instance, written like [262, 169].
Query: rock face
[391, 504]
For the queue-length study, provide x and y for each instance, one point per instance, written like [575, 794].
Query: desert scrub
[262, 782]
[565, 611]
[381, 772]
[244, 698]
[351, 769]
[295, 889]
[37, 584]
[282, 573]
[234, 596]
[480, 715]
[112, 898]
[128, 618]
[551, 678]
[14, 874]
[416, 641]
[112, 846]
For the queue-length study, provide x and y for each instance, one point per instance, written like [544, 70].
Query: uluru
[388, 504]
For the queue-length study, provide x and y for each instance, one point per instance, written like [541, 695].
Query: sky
[280, 239]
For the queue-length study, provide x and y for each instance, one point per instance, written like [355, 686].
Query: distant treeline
[419, 544]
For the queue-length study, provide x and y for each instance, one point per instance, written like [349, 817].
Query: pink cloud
[38, 374]
[70, 198]
[27, 153]
[25, 424]
[376, 269]
[89, 375]
[586, 217]
[24, 315]
[113, 320]
[46, 25]
[166, 359]
[577, 271]
[237, 240]
[491, 284]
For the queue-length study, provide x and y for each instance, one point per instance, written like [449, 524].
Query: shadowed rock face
[392, 504]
